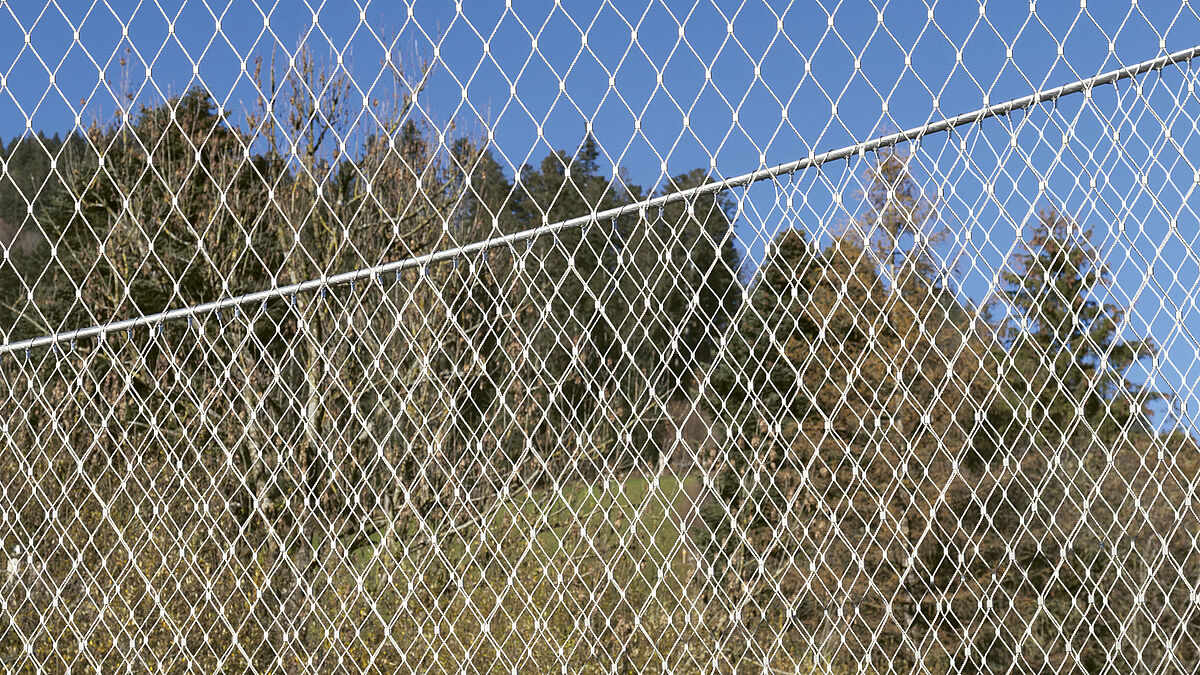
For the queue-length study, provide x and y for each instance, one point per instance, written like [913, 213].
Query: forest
[829, 462]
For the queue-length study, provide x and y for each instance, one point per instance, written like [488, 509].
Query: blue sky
[743, 85]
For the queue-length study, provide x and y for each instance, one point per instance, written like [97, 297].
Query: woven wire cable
[364, 375]
[814, 160]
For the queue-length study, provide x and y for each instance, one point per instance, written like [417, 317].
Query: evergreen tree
[626, 312]
[851, 390]
[1067, 359]
[679, 286]
[28, 181]
[754, 370]
[1075, 433]
[566, 303]
[755, 391]
[27, 185]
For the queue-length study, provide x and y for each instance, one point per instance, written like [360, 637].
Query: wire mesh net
[348, 384]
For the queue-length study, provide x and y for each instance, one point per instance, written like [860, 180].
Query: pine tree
[754, 369]
[756, 393]
[1074, 433]
[27, 186]
[1067, 357]
[850, 399]
[678, 286]
[625, 314]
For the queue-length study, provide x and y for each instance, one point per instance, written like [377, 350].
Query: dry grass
[585, 578]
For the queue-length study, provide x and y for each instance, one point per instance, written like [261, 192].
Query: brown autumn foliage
[899, 490]
[303, 485]
[244, 490]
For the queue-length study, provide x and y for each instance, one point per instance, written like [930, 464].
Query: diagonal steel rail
[812, 160]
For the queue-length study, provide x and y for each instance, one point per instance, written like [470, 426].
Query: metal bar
[812, 160]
